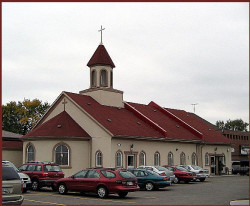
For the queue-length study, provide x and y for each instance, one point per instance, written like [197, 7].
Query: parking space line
[52, 203]
[94, 199]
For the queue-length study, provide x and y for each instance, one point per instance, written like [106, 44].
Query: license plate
[130, 183]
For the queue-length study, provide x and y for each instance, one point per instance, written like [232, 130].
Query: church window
[206, 159]
[157, 159]
[103, 79]
[119, 159]
[62, 155]
[170, 158]
[142, 159]
[182, 158]
[30, 153]
[111, 79]
[194, 160]
[98, 159]
[93, 78]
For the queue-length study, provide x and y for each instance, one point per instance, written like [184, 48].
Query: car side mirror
[73, 177]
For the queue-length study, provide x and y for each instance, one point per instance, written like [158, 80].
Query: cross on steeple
[101, 33]
[64, 103]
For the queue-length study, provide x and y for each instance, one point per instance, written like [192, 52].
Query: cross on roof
[101, 33]
[64, 103]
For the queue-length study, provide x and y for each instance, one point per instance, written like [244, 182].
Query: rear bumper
[119, 188]
[162, 184]
[47, 182]
[12, 200]
[187, 178]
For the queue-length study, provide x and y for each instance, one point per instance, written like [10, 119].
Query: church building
[97, 128]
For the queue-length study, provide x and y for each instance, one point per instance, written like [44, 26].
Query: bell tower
[101, 78]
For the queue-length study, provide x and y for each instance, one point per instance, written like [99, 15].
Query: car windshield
[14, 167]
[161, 168]
[126, 174]
[52, 168]
[152, 173]
[181, 168]
[196, 167]
[8, 173]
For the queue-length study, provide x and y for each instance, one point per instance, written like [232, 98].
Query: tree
[21, 117]
[234, 125]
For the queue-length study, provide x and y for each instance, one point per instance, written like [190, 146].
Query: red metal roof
[62, 125]
[119, 121]
[101, 56]
[135, 120]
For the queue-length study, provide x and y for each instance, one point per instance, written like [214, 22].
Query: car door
[91, 180]
[76, 182]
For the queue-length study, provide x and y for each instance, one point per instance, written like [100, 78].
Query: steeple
[101, 78]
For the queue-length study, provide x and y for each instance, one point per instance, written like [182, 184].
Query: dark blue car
[150, 180]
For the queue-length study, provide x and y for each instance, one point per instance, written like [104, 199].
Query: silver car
[161, 171]
[25, 178]
[11, 186]
[201, 174]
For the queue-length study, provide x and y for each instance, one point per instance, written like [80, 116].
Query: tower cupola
[101, 78]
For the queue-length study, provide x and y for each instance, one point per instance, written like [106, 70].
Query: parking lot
[218, 190]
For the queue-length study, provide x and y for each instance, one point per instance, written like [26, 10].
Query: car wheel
[35, 185]
[149, 186]
[102, 192]
[62, 189]
[176, 180]
[122, 194]
[202, 179]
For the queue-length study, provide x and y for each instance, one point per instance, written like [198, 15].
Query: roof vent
[154, 110]
[59, 126]
[138, 123]
[89, 103]
[209, 129]
[178, 126]
[119, 108]
[109, 120]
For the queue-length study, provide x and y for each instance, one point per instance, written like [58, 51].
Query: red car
[42, 174]
[181, 174]
[102, 181]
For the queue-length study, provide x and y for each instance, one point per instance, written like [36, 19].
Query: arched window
[206, 159]
[103, 79]
[157, 159]
[93, 78]
[194, 160]
[30, 153]
[170, 158]
[98, 157]
[111, 79]
[142, 159]
[119, 159]
[182, 158]
[62, 155]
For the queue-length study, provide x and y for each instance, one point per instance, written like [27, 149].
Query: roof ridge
[182, 122]
[146, 119]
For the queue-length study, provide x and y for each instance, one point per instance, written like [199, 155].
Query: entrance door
[213, 164]
[131, 161]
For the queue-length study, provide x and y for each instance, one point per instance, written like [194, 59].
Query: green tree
[234, 125]
[21, 117]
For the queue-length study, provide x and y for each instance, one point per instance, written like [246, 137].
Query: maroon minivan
[42, 174]
[102, 181]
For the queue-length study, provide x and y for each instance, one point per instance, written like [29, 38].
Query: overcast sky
[174, 54]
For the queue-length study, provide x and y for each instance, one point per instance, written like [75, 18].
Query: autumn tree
[234, 125]
[20, 117]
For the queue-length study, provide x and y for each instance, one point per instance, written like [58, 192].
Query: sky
[175, 54]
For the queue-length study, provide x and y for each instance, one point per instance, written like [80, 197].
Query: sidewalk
[239, 202]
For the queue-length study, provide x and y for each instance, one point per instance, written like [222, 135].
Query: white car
[201, 173]
[161, 171]
[25, 178]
